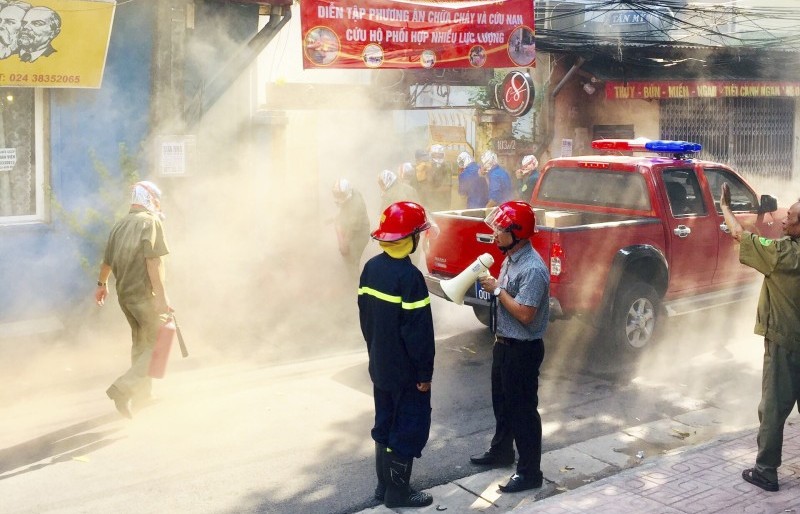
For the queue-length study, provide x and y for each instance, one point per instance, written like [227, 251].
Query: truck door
[692, 231]
[744, 203]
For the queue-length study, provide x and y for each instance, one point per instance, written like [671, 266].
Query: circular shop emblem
[372, 55]
[515, 93]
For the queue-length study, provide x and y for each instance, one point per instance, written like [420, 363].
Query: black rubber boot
[397, 476]
[380, 489]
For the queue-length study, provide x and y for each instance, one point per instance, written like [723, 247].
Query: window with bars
[753, 135]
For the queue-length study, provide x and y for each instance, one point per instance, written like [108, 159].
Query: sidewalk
[691, 479]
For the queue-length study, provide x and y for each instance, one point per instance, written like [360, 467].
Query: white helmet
[437, 154]
[342, 191]
[406, 170]
[489, 159]
[386, 179]
[463, 160]
[530, 161]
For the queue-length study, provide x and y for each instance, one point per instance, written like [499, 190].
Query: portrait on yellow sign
[54, 43]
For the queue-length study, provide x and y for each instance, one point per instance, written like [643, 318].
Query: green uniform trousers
[144, 322]
[780, 392]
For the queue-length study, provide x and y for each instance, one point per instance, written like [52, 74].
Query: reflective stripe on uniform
[394, 299]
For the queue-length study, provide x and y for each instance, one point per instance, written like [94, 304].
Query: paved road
[254, 435]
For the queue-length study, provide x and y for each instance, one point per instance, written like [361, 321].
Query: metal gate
[754, 135]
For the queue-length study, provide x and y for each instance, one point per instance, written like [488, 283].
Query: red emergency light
[646, 145]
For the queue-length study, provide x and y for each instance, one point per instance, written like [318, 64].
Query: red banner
[418, 33]
[699, 89]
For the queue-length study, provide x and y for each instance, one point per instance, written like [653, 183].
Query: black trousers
[515, 398]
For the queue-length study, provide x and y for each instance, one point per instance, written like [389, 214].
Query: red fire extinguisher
[158, 362]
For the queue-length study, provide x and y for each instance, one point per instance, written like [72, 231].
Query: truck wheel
[482, 313]
[635, 318]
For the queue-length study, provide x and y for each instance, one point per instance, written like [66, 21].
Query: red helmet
[401, 219]
[515, 217]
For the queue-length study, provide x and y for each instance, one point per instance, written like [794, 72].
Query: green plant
[483, 96]
[92, 226]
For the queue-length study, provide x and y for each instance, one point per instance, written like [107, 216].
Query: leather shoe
[489, 458]
[521, 483]
[121, 401]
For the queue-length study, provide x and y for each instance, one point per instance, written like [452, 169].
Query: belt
[510, 340]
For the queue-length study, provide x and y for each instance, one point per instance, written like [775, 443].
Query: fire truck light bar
[631, 145]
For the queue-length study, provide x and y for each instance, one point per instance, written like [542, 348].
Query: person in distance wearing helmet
[471, 183]
[522, 300]
[528, 175]
[407, 175]
[441, 176]
[352, 224]
[397, 324]
[423, 175]
[395, 189]
[500, 189]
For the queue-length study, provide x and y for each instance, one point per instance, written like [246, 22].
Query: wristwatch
[100, 284]
[497, 291]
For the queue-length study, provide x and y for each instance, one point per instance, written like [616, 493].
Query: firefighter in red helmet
[521, 308]
[397, 324]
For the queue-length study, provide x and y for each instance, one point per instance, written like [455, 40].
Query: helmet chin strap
[514, 242]
[415, 239]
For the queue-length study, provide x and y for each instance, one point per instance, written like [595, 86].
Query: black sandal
[755, 478]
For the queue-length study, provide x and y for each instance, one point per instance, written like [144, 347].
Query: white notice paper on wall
[8, 159]
[175, 154]
[566, 148]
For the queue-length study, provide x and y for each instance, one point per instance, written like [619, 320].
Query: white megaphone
[456, 287]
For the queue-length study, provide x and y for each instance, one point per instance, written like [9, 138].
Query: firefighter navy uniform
[397, 324]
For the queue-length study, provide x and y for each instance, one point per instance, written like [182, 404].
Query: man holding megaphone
[522, 303]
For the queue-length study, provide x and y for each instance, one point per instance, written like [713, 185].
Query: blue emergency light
[673, 146]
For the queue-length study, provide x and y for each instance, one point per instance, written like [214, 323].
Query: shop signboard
[54, 43]
[646, 90]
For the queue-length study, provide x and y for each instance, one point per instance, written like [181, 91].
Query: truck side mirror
[768, 204]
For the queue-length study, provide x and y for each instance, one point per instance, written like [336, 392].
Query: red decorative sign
[515, 93]
[418, 34]
[700, 89]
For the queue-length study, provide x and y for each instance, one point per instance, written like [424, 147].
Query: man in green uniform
[134, 253]
[778, 320]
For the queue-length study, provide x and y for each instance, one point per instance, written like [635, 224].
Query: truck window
[684, 193]
[742, 198]
[603, 188]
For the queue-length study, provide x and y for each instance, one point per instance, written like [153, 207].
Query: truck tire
[482, 313]
[635, 318]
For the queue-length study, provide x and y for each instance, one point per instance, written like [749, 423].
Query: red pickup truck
[628, 238]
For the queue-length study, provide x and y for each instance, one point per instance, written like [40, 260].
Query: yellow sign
[54, 43]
